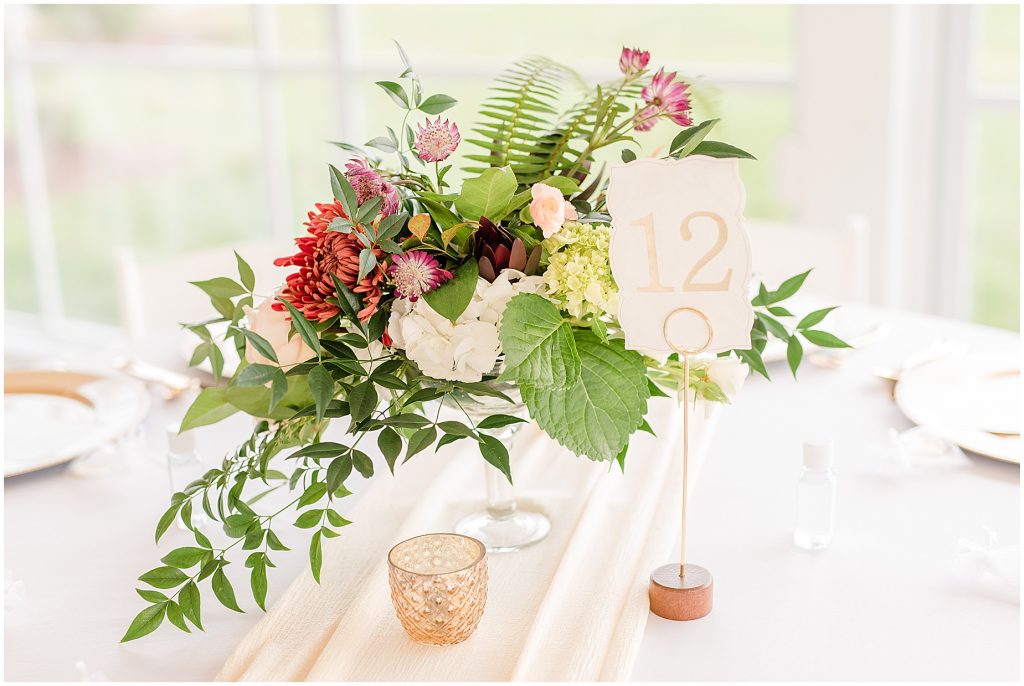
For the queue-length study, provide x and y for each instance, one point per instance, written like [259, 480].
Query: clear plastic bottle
[816, 497]
[183, 466]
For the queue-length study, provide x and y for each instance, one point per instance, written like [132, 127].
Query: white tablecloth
[883, 602]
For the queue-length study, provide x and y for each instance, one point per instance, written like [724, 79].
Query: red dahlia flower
[321, 254]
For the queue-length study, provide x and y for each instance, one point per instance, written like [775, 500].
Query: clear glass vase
[503, 526]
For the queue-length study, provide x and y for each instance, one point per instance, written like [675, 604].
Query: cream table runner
[572, 607]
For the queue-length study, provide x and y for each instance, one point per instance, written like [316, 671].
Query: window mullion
[32, 170]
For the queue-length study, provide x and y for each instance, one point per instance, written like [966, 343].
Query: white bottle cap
[180, 443]
[819, 454]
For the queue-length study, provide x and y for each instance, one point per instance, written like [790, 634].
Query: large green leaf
[488, 195]
[209, 407]
[254, 400]
[538, 344]
[451, 299]
[596, 415]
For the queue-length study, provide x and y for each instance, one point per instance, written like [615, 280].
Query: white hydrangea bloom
[467, 349]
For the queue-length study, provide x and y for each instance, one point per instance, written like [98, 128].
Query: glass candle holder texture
[438, 586]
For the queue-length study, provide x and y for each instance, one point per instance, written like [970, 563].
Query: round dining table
[892, 598]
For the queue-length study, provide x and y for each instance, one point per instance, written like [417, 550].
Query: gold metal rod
[686, 459]
[686, 352]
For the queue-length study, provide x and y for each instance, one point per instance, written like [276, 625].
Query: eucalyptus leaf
[367, 263]
[261, 344]
[396, 92]
[164, 577]
[789, 287]
[687, 140]
[419, 441]
[496, 421]
[824, 339]
[814, 318]
[175, 617]
[495, 452]
[794, 353]
[315, 556]
[245, 273]
[722, 150]
[338, 472]
[258, 582]
[343, 192]
[220, 287]
[321, 385]
[189, 600]
[347, 300]
[383, 144]
[146, 622]
[183, 558]
[303, 327]
[363, 464]
[223, 591]
[362, 400]
[369, 210]
[436, 104]
[390, 444]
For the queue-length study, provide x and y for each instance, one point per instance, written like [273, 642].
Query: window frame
[926, 59]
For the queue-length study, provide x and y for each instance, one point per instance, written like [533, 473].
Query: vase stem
[501, 499]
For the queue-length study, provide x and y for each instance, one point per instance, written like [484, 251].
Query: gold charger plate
[53, 416]
[971, 400]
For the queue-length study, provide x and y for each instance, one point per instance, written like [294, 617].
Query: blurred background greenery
[168, 160]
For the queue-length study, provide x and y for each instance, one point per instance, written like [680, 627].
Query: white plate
[971, 400]
[52, 417]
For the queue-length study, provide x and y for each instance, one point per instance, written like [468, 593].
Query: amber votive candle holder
[438, 586]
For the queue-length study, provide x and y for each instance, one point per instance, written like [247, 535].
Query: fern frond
[579, 124]
[519, 115]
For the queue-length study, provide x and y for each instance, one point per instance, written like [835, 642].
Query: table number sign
[678, 243]
[681, 259]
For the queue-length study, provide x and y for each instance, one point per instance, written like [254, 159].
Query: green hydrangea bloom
[579, 277]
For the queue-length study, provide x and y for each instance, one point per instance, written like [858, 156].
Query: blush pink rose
[549, 210]
[273, 326]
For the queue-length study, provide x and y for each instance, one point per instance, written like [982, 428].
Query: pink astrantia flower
[436, 141]
[416, 273]
[368, 183]
[664, 97]
[632, 61]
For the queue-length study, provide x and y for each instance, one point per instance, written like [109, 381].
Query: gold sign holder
[683, 591]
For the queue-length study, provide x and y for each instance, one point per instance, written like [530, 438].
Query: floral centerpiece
[408, 288]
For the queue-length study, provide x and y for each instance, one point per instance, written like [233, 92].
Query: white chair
[839, 256]
[154, 296]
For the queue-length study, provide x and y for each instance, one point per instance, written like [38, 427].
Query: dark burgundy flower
[497, 250]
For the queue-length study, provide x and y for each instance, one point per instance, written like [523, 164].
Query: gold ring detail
[688, 351]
